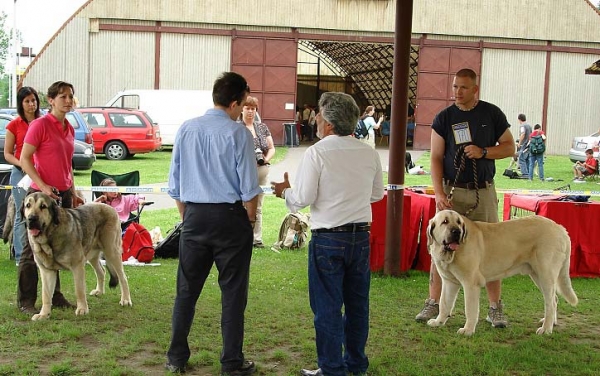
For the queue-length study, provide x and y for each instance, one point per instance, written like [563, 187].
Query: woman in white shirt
[371, 125]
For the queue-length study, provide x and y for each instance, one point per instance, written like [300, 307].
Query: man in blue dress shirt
[214, 182]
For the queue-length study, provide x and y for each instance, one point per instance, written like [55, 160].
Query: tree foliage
[4, 43]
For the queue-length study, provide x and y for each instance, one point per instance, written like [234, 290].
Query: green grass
[112, 340]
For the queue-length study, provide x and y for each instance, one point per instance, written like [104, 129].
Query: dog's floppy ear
[463, 228]
[430, 229]
[53, 208]
[22, 208]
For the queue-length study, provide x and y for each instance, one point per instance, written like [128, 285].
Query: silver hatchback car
[581, 144]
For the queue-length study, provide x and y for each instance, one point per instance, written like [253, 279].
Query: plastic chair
[130, 179]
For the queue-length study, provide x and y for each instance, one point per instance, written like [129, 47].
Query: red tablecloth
[580, 220]
[417, 210]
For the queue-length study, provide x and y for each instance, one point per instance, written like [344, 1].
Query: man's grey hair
[340, 110]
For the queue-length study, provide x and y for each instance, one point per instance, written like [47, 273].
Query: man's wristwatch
[483, 153]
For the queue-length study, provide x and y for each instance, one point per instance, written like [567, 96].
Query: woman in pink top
[28, 108]
[46, 157]
[124, 205]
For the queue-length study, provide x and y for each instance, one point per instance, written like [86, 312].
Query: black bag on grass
[169, 247]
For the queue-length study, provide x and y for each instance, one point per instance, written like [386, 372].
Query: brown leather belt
[350, 227]
[485, 184]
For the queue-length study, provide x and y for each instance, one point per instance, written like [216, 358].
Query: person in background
[458, 132]
[537, 158]
[47, 158]
[264, 148]
[123, 204]
[410, 125]
[333, 172]
[371, 125]
[523, 146]
[298, 121]
[28, 108]
[311, 124]
[214, 182]
[589, 167]
[305, 120]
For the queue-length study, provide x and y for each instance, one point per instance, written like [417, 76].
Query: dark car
[4, 120]
[121, 132]
[83, 156]
[9, 111]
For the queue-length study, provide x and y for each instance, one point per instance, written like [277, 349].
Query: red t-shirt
[18, 127]
[593, 163]
[54, 151]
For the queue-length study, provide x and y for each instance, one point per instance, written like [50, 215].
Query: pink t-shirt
[125, 205]
[18, 127]
[54, 147]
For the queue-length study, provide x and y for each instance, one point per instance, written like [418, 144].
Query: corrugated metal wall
[573, 95]
[514, 81]
[193, 62]
[63, 60]
[119, 60]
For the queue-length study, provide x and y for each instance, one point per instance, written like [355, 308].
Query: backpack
[169, 247]
[361, 130]
[293, 232]
[137, 242]
[537, 145]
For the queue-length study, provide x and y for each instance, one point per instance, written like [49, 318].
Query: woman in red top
[49, 143]
[28, 108]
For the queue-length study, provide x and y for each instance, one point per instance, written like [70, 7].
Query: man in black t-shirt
[479, 130]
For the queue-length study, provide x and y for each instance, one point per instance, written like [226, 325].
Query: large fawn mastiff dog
[472, 253]
[67, 239]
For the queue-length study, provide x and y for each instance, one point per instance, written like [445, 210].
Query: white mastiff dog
[470, 254]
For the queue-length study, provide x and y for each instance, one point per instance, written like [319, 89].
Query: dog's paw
[80, 311]
[434, 322]
[40, 316]
[465, 331]
[124, 303]
[542, 330]
[96, 292]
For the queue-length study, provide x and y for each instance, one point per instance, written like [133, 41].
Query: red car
[119, 133]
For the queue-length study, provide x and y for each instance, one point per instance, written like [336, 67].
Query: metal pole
[395, 193]
[15, 57]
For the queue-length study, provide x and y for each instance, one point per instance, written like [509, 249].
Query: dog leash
[459, 165]
[59, 199]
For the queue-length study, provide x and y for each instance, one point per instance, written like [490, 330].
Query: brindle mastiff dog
[469, 254]
[66, 239]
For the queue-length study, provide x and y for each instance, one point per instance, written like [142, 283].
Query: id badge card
[462, 133]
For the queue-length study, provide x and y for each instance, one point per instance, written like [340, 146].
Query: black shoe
[248, 368]
[29, 310]
[307, 372]
[174, 369]
[259, 245]
[62, 302]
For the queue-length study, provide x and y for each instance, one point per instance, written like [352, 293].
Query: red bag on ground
[137, 242]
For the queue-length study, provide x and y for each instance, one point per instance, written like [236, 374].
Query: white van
[168, 108]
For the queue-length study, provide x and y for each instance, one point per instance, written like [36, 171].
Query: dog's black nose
[455, 232]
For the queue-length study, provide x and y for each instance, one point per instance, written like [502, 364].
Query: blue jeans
[524, 158]
[19, 232]
[339, 276]
[539, 158]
